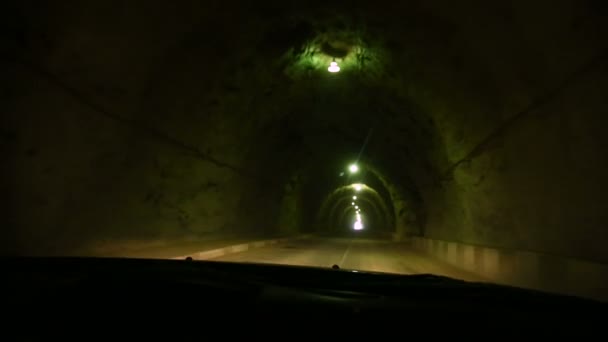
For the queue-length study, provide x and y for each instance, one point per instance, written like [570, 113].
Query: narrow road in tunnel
[358, 254]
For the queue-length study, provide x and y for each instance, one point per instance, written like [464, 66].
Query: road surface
[355, 254]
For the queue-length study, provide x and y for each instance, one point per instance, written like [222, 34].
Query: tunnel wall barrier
[243, 247]
[538, 271]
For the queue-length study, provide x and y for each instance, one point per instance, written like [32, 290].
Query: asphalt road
[354, 254]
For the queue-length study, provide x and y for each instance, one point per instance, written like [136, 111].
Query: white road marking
[345, 254]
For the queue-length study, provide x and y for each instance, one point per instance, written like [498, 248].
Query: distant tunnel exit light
[358, 225]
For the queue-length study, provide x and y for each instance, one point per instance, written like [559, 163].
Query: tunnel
[476, 128]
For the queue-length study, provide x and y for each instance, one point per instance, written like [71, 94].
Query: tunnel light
[353, 203]
[356, 207]
[354, 197]
[333, 67]
[358, 187]
[358, 225]
[353, 168]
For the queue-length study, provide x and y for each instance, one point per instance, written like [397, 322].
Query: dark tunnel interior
[470, 121]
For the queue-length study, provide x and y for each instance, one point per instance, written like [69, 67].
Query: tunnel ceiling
[139, 119]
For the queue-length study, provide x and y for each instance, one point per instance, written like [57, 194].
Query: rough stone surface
[145, 119]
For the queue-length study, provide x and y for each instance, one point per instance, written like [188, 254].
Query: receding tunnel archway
[170, 123]
[334, 208]
[397, 205]
[368, 208]
[372, 223]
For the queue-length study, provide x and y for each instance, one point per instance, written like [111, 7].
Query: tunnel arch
[329, 212]
[370, 208]
[373, 222]
[287, 147]
[185, 132]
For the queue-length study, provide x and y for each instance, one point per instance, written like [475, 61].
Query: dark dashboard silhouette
[105, 294]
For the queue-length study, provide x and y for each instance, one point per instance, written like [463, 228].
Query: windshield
[436, 137]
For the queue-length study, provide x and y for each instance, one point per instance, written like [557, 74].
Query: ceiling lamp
[333, 67]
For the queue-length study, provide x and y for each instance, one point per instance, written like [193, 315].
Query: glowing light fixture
[353, 203]
[358, 187]
[358, 222]
[356, 207]
[358, 225]
[333, 67]
[353, 168]
[354, 197]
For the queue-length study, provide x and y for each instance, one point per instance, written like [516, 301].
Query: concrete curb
[522, 268]
[219, 252]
